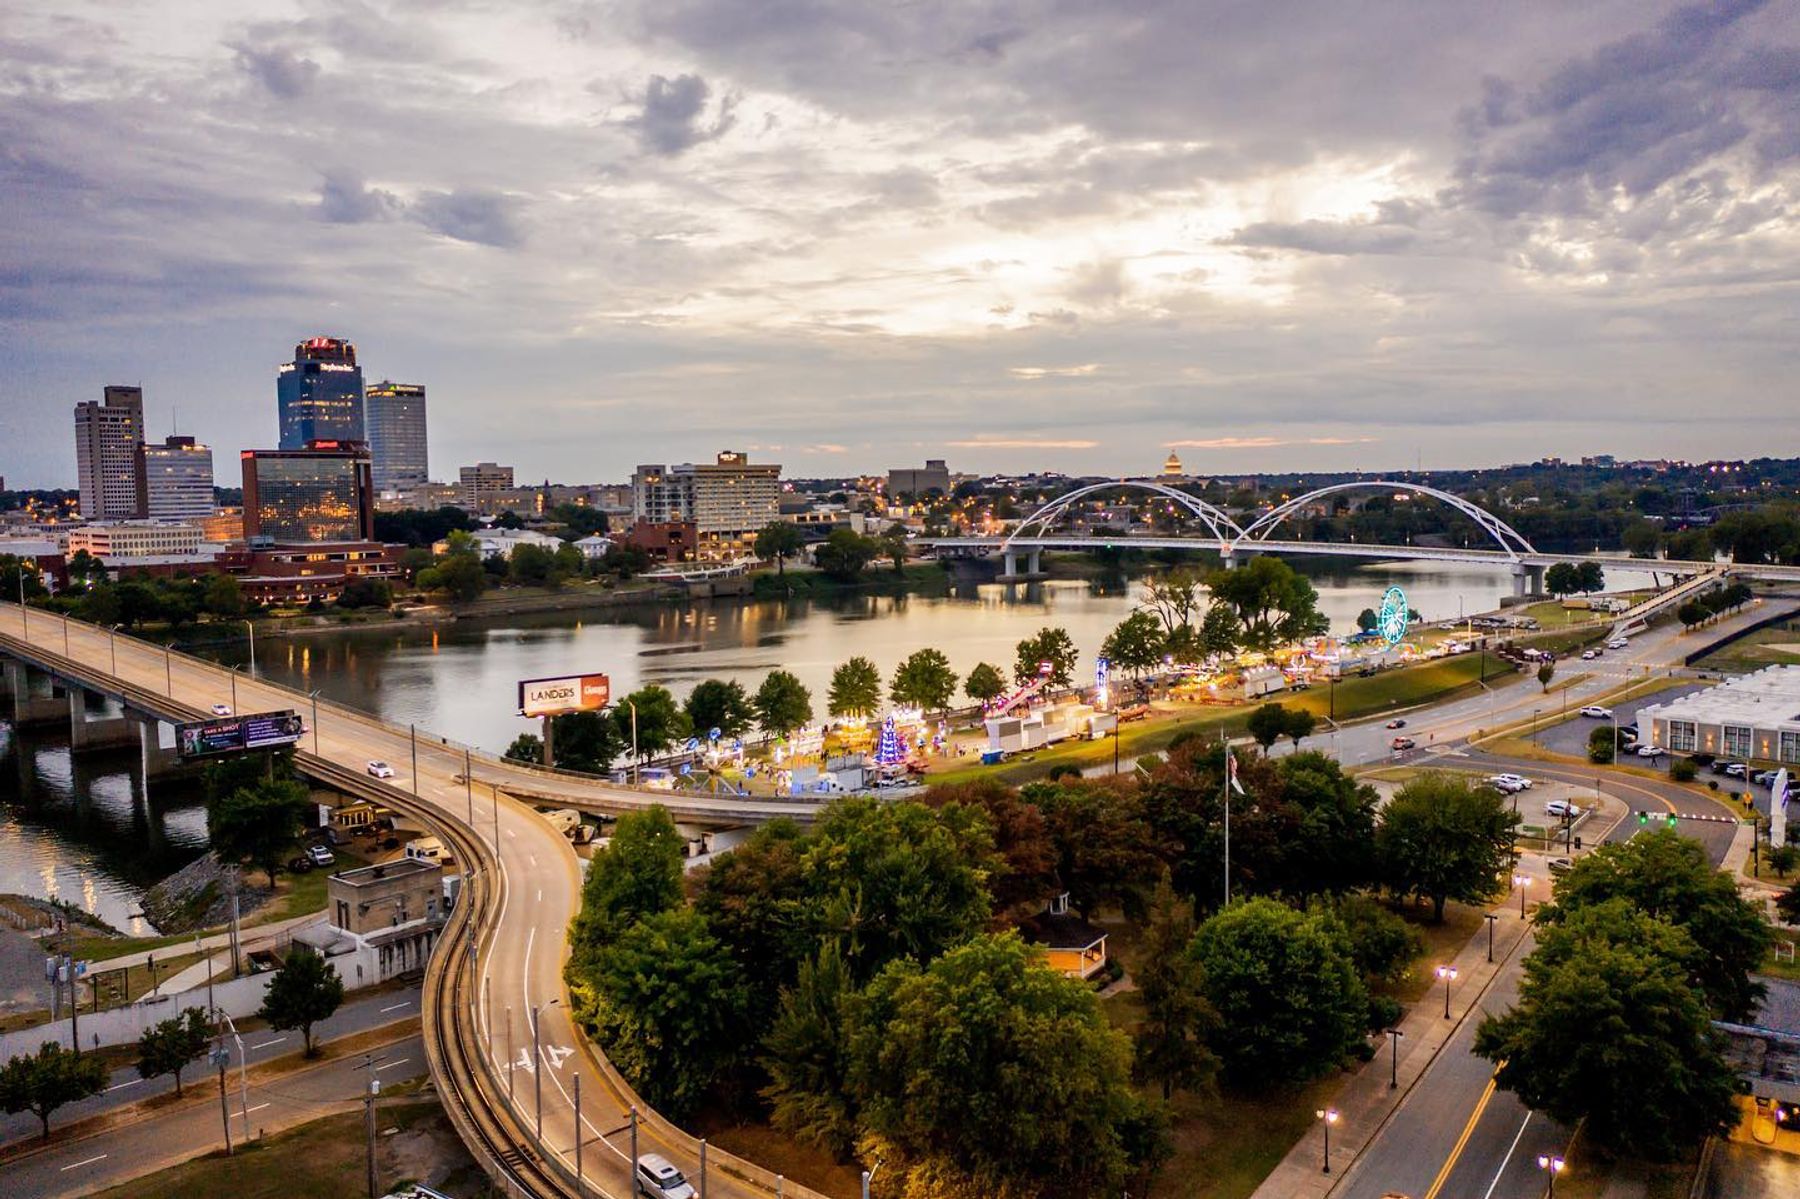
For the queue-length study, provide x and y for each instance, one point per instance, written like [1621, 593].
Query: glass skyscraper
[395, 413]
[299, 497]
[319, 395]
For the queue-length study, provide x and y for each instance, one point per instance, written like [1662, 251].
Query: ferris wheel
[1390, 621]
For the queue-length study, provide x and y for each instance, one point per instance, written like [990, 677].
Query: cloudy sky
[846, 235]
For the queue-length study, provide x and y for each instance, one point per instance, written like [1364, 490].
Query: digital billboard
[236, 734]
[560, 696]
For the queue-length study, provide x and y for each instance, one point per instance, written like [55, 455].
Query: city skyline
[850, 240]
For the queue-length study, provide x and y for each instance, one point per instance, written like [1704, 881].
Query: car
[1400, 743]
[1588, 655]
[221, 709]
[1597, 712]
[1396, 723]
[1505, 784]
[380, 770]
[1559, 866]
[1562, 809]
[1518, 780]
[657, 1177]
[1764, 778]
[320, 856]
[1736, 770]
[1617, 643]
[1651, 751]
[299, 865]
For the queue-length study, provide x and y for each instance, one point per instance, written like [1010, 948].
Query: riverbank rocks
[199, 896]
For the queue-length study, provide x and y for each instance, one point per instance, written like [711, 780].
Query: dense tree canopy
[258, 822]
[1272, 604]
[635, 876]
[719, 704]
[855, 689]
[782, 703]
[924, 680]
[1444, 837]
[1052, 646]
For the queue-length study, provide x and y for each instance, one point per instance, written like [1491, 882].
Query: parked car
[1562, 809]
[1588, 655]
[1400, 743]
[1396, 723]
[320, 855]
[1618, 643]
[221, 709]
[381, 770]
[1736, 770]
[1597, 712]
[1764, 778]
[657, 1177]
[1505, 784]
[300, 864]
[1559, 866]
[1517, 780]
[1651, 751]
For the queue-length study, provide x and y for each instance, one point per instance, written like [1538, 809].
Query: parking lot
[1571, 736]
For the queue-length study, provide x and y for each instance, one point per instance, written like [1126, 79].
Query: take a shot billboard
[237, 734]
[560, 696]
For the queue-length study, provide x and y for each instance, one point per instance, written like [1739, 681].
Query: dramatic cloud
[1062, 237]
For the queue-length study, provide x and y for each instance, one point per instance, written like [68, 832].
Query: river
[77, 832]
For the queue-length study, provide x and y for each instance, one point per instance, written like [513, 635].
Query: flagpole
[1230, 762]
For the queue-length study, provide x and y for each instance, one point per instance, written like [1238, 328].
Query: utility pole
[221, 1057]
[414, 731]
[578, 1133]
[469, 783]
[369, 1096]
[634, 1152]
[74, 1007]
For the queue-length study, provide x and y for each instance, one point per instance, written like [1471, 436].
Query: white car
[221, 709]
[1506, 784]
[381, 770]
[657, 1177]
[1588, 655]
[318, 855]
[1617, 643]
[1516, 780]
[1562, 809]
[1597, 712]
[1651, 751]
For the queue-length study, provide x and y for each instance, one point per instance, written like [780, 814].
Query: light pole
[1521, 881]
[1328, 1117]
[413, 734]
[251, 629]
[1552, 1165]
[1491, 920]
[234, 690]
[1448, 974]
[537, 1070]
[315, 708]
[635, 763]
[578, 1135]
[1534, 725]
[112, 644]
[1394, 1036]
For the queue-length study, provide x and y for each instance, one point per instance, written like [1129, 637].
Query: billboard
[560, 696]
[236, 734]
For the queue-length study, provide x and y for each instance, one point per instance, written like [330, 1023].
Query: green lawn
[1776, 645]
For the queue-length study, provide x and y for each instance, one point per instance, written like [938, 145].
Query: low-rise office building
[135, 539]
[382, 920]
[1755, 717]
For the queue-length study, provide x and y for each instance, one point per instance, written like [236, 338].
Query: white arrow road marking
[557, 1055]
[524, 1062]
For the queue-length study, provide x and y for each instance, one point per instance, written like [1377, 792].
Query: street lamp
[233, 690]
[252, 632]
[537, 1069]
[1552, 1165]
[1394, 1036]
[1328, 1117]
[1448, 974]
[1491, 920]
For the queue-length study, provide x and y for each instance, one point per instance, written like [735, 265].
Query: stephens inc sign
[558, 697]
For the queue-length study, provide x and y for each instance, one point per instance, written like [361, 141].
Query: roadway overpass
[499, 962]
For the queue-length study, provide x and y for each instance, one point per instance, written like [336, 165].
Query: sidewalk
[1366, 1102]
[251, 936]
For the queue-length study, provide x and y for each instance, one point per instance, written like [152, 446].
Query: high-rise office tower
[728, 500]
[318, 494]
[107, 436]
[395, 414]
[319, 395]
[178, 480]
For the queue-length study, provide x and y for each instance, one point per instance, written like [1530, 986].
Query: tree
[755, 899]
[259, 822]
[1445, 837]
[224, 596]
[459, 574]
[532, 566]
[1382, 945]
[1024, 871]
[1366, 620]
[1668, 877]
[1601, 747]
[1220, 632]
[1328, 827]
[782, 703]
[1291, 1005]
[855, 689]
[1782, 859]
[1103, 843]
[780, 540]
[168, 1046]
[844, 553]
[806, 1057]
[924, 681]
[1590, 577]
[1691, 612]
[1545, 673]
[1299, 725]
[1051, 645]
[1174, 597]
[985, 683]
[1170, 1044]
[12, 568]
[1135, 644]
[719, 704]
[988, 1073]
[636, 875]
[667, 1003]
[304, 991]
[1607, 1028]
[658, 721]
[1268, 724]
[41, 1082]
[1272, 604]
[1561, 579]
[526, 747]
[585, 741]
[1641, 539]
[892, 546]
[366, 593]
[1787, 905]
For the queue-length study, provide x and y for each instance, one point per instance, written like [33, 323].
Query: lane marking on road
[122, 1085]
[394, 1007]
[88, 1161]
[257, 1108]
[390, 1065]
[266, 1044]
[1437, 1184]
[1507, 1160]
[540, 897]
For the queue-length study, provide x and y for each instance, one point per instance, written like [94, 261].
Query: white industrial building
[1753, 718]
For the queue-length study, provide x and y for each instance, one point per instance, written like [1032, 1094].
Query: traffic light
[1671, 819]
[1643, 819]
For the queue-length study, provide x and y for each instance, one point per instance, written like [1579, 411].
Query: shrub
[1683, 770]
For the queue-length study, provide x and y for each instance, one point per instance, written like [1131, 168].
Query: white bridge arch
[1222, 527]
[1510, 540]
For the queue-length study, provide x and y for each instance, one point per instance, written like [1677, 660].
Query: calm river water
[80, 833]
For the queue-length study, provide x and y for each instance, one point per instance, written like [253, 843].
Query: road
[523, 970]
[94, 1163]
[359, 1014]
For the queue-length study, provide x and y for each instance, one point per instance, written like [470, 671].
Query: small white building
[594, 546]
[382, 920]
[499, 543]
[1752, 718]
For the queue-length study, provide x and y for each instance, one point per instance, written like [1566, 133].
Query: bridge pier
[155, 761]
[29, 709]
[1527, 580]
[1034, 566]
[1232, 559]
[104, 732]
